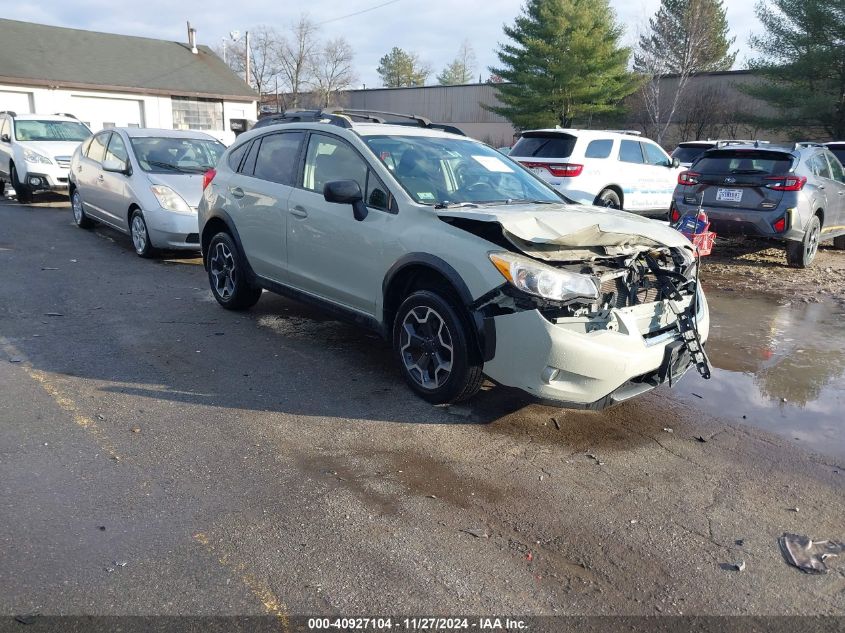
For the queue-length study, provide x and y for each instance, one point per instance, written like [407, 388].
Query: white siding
[16, 101]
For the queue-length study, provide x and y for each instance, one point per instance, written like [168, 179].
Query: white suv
[602, 167]
[35, 151]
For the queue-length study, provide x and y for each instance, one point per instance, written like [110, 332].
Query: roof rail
[377, 117]
[631, 132]
[11, 113]
[67, 114]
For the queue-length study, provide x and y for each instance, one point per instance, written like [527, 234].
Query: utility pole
[278, 105]
[247, 60]
[224, 50]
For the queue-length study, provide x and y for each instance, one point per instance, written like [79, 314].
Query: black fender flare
[484, 327]
[230, 226]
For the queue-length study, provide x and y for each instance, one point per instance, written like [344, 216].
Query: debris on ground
[135, 429]
[696, 395]
[120, 563]
[793, 509]
[594, 458]
[700, 438]
[476, 532]
[29, 618]
[16, 359]
[556, 423]
[808, 555]
[48, 268]
[54, 314]
[668, 429]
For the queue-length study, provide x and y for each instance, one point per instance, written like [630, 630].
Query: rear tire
[79, 215]
[24, 193]
[227, 275]
[609, 199]
[801, 254]
[839, 243]
[432, 345]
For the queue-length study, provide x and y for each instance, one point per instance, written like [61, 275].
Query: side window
[835, 167]
[654, 155]
[97, 149]
[599, 149]
[85, 145]
[248, 166]
[330, 158]
[818, 165]
[277, 157]
[236, 155]
[630, 152]
[377, 197]
[117, 149]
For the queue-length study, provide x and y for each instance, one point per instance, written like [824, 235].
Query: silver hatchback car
[146, 183]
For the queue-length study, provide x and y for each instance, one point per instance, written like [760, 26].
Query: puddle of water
[781, 366]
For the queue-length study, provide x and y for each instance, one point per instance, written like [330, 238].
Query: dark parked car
[793, 193]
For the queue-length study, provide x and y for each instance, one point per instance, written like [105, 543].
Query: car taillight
[688, 178]
[207, 177]
[565, 170]
[780, 225]
[676, 215]
[561, 170]
[787, 183]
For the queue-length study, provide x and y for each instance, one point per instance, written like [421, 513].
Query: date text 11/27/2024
[417, 624]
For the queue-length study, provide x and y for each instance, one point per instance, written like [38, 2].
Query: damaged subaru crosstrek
[469, 264]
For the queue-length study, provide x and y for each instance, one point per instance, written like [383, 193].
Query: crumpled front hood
[574, 231]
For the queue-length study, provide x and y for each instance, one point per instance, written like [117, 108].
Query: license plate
[729, 195]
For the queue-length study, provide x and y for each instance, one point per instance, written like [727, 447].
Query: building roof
[37, 54]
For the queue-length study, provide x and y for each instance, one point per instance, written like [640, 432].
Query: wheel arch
[616, 189]
[221, 222]
[415, 271]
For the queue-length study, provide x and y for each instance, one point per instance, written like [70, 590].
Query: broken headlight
[544, 281]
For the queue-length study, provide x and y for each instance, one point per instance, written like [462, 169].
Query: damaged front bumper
[593, 362]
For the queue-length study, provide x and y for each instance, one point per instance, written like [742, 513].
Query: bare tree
[296, 55]
[333, 71]
[462, 69]
[263, 52]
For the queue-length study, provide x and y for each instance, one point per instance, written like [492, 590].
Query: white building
[108, 80]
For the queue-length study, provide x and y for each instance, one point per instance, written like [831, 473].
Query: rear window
[544, 145]
[743, 162]
[688, 154]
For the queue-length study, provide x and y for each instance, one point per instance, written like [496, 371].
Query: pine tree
[802, 61]
[400, 68]
[563, 62]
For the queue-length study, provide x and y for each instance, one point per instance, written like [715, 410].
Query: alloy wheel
[76, 204]
[426, 347]
[139, 234]
[222, 268]
[812, 246]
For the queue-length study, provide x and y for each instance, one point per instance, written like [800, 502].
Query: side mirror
[6, 138]
[117, 166]
[674, 163]
[346, 192]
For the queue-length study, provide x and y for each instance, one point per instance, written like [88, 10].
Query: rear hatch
[739, 179]
[547, 154]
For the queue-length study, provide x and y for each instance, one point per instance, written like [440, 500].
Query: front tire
[79, 215]
[227, 275]
[24, 193]
[609, 199]
[432, 345]
[801, 254]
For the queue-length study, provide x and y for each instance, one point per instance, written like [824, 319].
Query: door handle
[842, 193]
[236, 192]
[100, 178]
[299, 212]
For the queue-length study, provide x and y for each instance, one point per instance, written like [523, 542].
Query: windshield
[175, 155]
[688, 154]
[445, 171]
[37, 130]
[743, 162]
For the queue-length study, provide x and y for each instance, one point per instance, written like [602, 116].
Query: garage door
[101, 112]
[20, 102]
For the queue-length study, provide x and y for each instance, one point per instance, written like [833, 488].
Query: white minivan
[602, 167]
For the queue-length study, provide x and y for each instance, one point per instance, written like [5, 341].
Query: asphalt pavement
[160, 455]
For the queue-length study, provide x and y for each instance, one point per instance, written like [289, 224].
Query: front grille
[62, 161]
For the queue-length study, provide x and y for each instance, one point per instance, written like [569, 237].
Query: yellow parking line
[833, 228]
[64, 402]
[268, 599]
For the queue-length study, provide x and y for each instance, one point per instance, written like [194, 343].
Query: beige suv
[468, 263]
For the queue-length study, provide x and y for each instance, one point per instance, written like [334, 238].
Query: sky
[433, 29]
